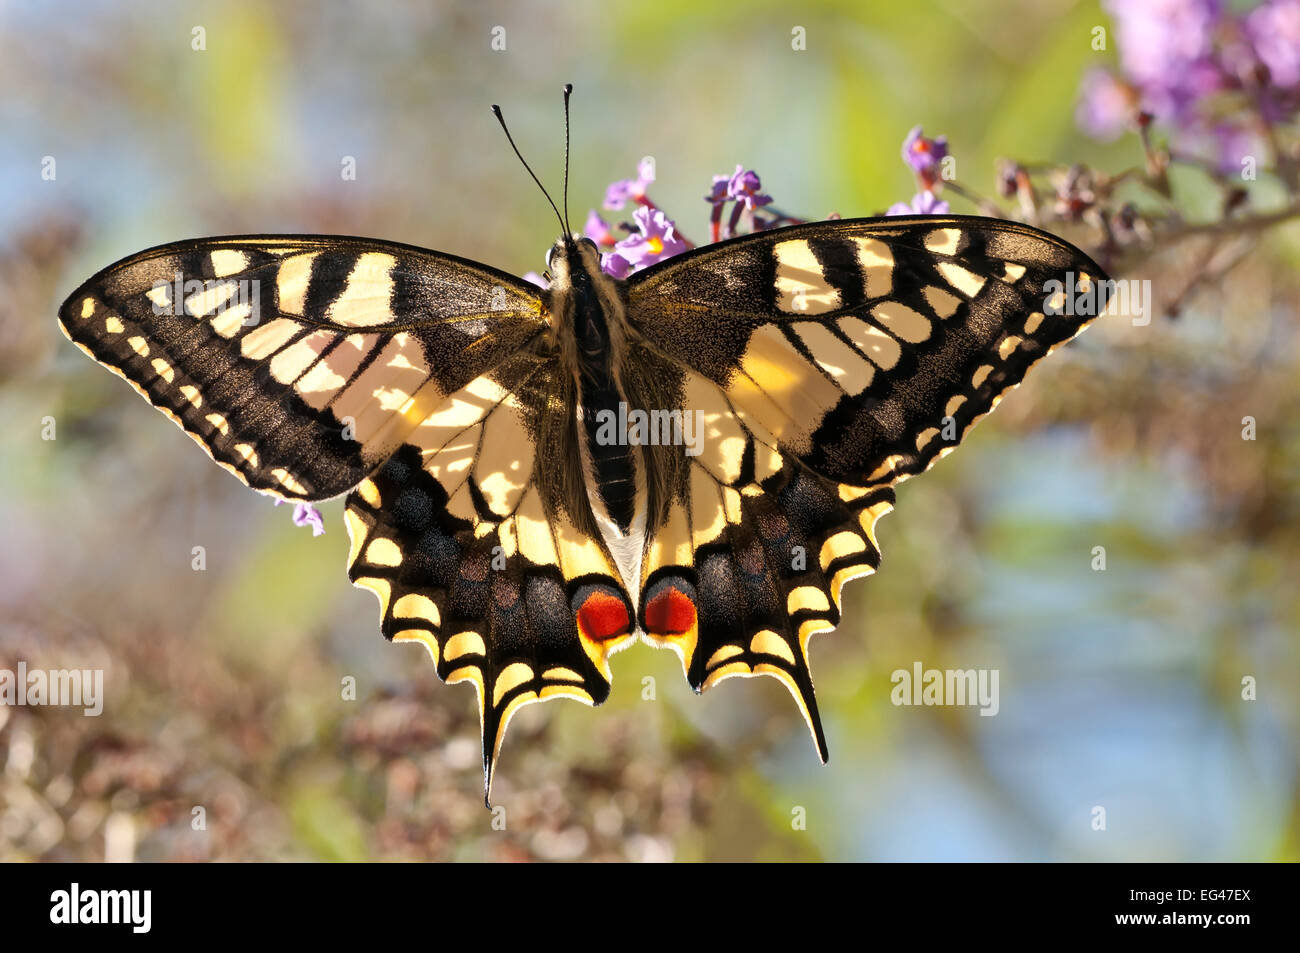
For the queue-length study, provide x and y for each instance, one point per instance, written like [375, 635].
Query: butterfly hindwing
[828, 362]
[470, 544]
[298, 362]
[750, 562]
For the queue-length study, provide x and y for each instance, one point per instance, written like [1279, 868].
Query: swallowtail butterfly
[696, 456]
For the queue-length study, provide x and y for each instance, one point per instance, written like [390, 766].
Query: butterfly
[696, 456]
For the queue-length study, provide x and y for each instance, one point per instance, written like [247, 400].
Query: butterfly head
[572, 254]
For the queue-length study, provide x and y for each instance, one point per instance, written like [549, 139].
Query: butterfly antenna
[496, 111]
[568, 90]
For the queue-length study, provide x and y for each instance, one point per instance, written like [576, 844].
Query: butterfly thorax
[586, 307]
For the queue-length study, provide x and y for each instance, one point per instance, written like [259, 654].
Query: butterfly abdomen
[612, 462]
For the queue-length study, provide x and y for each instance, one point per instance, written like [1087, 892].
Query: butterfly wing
[313, 366]
[753, 554]
[828, 363]
[476, 548]
[298, 362]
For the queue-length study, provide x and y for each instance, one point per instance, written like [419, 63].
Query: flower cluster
[923, 203]
[651, 236]
[740, 188]
[619, 193]
[925, 158]
[1217, 78]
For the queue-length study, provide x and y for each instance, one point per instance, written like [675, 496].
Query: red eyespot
[603, 616]
[670, 612]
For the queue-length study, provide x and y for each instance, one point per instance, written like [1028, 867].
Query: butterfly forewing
[299, 363]
[829, 362]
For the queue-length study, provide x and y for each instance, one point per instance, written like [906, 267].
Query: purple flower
[615, 265]
[1157, 37]
[1274, 32]
[1107, 105]
[618, 194]
[718, 194]
[655, 240]
[304, 514]
[743, 187]
[1229, 144]
[923, 203]
[534, 278]
[923, 155]
[598, 230]
[1166, 47]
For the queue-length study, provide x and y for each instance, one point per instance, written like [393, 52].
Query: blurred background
[1120, 689]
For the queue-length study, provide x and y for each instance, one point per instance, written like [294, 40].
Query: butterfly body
[696, 456]
[588, 313]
